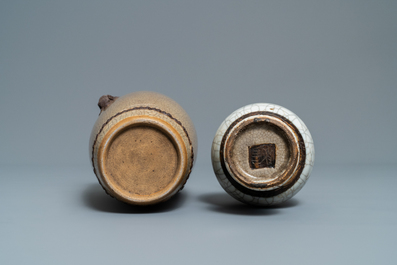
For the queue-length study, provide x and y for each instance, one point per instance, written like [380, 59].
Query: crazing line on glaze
[278, 194]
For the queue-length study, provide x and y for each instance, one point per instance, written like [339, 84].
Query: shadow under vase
[95, 197]
[223, 203]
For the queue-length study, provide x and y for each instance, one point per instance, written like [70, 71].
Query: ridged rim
[290, 179]
[165, 128]
[95, 141]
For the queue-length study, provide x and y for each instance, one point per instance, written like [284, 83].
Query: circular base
[142, 160]
[261, 152]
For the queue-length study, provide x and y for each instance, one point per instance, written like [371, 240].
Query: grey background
[333, 63]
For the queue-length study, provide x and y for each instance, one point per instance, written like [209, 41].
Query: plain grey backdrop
[333, 63]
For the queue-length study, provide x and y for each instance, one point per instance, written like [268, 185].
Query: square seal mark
[262, 156]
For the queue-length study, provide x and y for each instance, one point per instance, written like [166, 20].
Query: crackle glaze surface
[262, 200]
[142, 104]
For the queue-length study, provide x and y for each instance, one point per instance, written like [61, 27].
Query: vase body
[262, 154]
[142, 147]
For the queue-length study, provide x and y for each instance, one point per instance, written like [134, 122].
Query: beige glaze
[142, 147]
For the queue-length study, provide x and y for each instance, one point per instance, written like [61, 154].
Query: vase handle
[105, 101]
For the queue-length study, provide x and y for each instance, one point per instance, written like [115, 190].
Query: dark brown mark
[262, 155]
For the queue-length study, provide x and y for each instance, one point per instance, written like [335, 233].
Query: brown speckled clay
[142, 147]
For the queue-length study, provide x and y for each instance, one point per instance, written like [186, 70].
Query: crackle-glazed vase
[142, 147]
[262, 154]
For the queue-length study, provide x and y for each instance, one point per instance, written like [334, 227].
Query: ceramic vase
[142, 147]
[262, 154]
